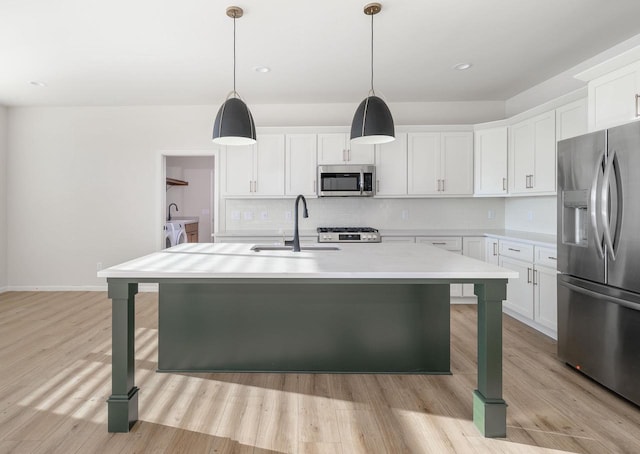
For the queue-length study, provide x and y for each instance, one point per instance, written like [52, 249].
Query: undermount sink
[268, 247]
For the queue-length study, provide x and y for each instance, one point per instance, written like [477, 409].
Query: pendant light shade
[234, 123]
[372, 122]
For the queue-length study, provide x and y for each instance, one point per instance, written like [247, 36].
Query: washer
[169, 234]
[179, 233]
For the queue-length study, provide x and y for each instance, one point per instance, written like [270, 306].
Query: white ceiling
[138, 52]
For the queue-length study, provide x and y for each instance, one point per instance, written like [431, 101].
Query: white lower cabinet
[531, 298]
[491, 250]
[449, 243]
[474, 247]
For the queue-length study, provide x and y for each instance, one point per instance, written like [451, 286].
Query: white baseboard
[533, 324]
[464, 300]
[4, 289]
[147, 287]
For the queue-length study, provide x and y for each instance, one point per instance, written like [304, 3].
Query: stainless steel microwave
[346, 181]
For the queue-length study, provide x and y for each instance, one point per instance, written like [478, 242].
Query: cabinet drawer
[398, 239]
[546, 256]
[521, 251]
[450, 243]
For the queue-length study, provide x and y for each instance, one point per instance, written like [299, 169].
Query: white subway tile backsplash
[434, 213]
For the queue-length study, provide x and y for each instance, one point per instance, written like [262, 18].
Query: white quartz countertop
[351, 261]
[528, 237]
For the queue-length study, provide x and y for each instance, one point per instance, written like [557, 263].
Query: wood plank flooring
[55, 369]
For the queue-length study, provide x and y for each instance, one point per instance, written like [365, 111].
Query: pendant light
[372, 123]
[234, 124]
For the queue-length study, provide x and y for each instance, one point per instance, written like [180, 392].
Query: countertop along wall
[82, 183]
[3, 198]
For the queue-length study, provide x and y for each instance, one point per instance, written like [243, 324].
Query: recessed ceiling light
[261, 69]
[36, 83]
[462, 66]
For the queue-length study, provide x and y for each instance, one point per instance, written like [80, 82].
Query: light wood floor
[55, 377]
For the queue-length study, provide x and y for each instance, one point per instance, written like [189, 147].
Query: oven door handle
[361, 182]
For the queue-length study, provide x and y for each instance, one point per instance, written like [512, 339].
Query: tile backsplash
[449, 213]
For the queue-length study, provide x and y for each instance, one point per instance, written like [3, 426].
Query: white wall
[82, 183]
[532, 214]
[437, 213]
[3, 198]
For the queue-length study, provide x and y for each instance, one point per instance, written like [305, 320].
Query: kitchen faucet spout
[173, 204]
[305, 213]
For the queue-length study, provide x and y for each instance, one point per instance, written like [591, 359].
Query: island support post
[489, 408]
[122, 405]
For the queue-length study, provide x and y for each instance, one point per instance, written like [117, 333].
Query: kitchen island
[364, 308]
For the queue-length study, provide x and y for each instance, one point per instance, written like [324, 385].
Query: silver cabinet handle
[250, 185]
[314, 187]
[504, 184]
[535, 277]
[377, 185]
[637, 104]
[443, 190]
[495, 248]
[440, 243]
[344, 155]
[255, 185]
[514, 250]
[528, 275]
[552, 258]
[532, 180]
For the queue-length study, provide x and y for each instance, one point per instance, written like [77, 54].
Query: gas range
[348, 235]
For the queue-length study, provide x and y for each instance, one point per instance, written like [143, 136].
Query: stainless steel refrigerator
[599, 257]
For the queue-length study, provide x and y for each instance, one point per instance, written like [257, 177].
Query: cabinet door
[520, 157]
[474, 247]
[490, 161]
[491, 251]
[519, 292]
[571, 119]
[269, 173]
[457, 163]
[391, 167]
[544, 148]
[300, 164]
[545, 297]
[612, 98]
[238, 170]
[332, 148]
[361, 154]
[424, 168]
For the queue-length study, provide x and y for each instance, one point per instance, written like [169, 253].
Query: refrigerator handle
[593, 199]
[604, 204]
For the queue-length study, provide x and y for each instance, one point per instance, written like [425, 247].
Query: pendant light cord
[234, 54]
[372, 91]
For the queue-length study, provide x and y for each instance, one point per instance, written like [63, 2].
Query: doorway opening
[189, 191]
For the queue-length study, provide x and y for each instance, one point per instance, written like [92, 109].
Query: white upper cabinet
[336, 148]
[440, 163]
[300, 164]
[532, 155]
[571, 119]
[391, 167]
[490, 161]
[613, 98]
[255, 170]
